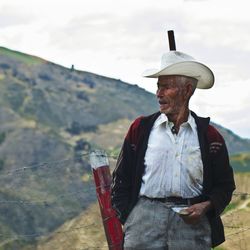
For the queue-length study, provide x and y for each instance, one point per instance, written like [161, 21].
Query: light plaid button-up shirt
[173, 162]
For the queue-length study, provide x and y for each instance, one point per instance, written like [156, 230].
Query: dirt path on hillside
[237, 227]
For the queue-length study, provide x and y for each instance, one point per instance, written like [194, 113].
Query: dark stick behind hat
[171, 40]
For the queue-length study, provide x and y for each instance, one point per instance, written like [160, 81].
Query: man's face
[171, 94]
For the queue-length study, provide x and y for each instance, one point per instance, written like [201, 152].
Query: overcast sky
[122, 38]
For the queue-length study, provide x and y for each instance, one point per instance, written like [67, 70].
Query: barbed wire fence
[54, 193]
[37, 200]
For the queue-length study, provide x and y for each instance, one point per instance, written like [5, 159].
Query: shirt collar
[164, 119]
[160, 120]
[191, 122]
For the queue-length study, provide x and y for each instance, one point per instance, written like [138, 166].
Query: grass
[31, 60]
[231, 206]
[236, 216]
[241, 162]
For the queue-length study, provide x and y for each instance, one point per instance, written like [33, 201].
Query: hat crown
[173, 57]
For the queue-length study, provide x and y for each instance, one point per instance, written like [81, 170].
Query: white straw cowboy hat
[179, 63]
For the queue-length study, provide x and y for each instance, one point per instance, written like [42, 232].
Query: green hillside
[241, 162]
[19, 56]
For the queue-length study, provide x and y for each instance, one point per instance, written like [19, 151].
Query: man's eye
[163, 87]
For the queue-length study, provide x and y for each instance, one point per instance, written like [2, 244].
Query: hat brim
[193, 69]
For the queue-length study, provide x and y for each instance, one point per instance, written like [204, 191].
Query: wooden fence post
[113, 229]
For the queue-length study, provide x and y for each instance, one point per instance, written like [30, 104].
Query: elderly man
[173, 179]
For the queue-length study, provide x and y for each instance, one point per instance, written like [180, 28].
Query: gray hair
[183, 80]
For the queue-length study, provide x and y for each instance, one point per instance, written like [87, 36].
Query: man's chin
[164, 111]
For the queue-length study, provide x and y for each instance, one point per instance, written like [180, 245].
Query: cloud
[227, 104]
[121, 39]
[10, 17]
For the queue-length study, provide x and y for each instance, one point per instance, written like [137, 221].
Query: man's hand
[196, 212]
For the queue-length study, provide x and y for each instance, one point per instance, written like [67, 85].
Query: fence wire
[67, 201]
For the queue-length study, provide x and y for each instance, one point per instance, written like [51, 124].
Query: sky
[123, 38]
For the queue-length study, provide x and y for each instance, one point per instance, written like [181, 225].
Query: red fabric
[215, 140]
[134, 134]
[213, 135]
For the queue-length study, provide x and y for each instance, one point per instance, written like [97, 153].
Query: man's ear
[188, 90]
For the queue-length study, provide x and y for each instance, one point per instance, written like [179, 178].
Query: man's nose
[159, 92]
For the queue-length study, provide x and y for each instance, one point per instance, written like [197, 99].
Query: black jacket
[218, 181]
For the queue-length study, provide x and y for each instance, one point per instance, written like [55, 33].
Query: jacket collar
[201, 122]
[162, 118]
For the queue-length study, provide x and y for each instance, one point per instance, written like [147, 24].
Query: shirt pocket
[194, 163]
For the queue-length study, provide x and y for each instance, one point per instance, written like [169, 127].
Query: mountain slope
[59, 97]
[235, 143]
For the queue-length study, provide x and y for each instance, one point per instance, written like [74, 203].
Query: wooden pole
[171, 40]
[112, 226]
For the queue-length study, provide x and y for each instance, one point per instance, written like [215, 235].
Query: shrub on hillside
[76, 128]
[2, 137]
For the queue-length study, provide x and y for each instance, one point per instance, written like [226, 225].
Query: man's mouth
[162, 103]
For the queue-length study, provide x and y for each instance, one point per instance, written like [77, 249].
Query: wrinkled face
[171, 94]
